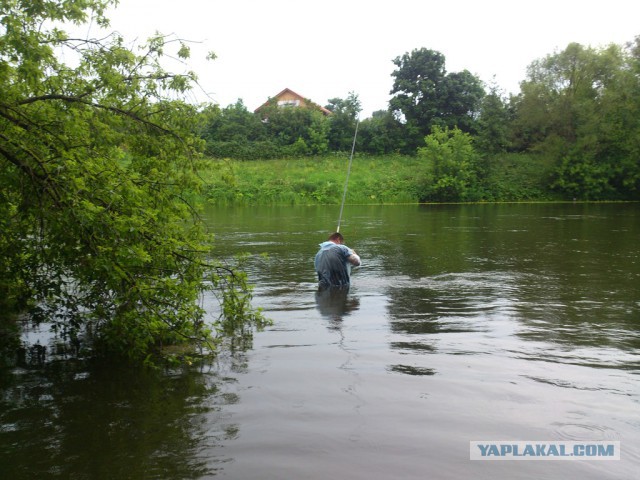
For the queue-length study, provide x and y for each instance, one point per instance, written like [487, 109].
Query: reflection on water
[409, 370]
[464, 323]
[73, 419]
[336, 303]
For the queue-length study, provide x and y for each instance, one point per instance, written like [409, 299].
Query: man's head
[336, 238]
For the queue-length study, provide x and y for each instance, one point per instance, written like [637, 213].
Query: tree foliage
[453, 166]
[581, 107]
[382, 133]
[96, 229]
[304, 129]
[235, 132]
[494, 121]
[342, 122]
[426, 95]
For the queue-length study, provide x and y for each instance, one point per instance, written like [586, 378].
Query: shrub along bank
[374, 179]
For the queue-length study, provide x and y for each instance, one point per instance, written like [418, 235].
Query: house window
[288, 103]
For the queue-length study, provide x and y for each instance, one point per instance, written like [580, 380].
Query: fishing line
[346, 182]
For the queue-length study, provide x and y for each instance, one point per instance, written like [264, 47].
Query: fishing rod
[346, 182]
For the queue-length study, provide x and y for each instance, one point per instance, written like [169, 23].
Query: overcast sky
[327, 49]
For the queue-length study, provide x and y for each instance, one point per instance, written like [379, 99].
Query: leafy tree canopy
[426, 95]
[342, 122]
[493, 122]
[581, 107]
[452, 165]
[97, 152]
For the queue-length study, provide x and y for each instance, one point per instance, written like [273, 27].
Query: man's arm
[354, 259]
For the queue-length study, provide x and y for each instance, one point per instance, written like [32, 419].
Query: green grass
[374, 180]
[308, 181]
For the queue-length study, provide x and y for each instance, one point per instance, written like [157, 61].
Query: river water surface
[464, 323]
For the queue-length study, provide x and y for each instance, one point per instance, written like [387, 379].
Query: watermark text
[543, 450]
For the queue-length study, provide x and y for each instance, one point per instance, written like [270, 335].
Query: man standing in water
[333, 262]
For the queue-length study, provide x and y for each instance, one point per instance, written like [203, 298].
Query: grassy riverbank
[387, 179]
[311, 181]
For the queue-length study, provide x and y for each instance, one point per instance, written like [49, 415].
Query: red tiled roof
[300, 97]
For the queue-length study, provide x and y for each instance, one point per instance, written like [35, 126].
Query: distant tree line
[575, 122]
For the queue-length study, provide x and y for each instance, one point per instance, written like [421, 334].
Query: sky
[327, 49]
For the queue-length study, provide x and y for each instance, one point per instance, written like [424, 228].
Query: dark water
[465, 323]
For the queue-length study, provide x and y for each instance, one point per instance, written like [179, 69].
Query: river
[492, 323]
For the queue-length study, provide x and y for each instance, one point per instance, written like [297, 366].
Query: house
[289, 98]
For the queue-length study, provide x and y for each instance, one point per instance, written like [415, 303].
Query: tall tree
[493, 122]
[382, 133]
[579, 108]
[463, 94]
[342, 122]
[98, 161]
[304, 130]
[426, 95]
[239, 124]
[234, 132]
[619, 132]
